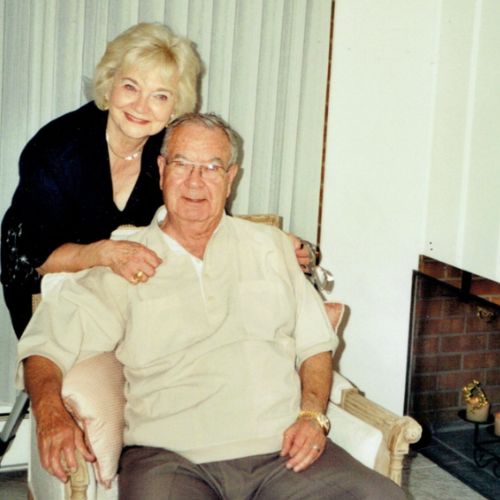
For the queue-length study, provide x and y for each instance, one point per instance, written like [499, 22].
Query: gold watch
[321, 418]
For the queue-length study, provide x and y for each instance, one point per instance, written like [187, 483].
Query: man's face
[188, 193]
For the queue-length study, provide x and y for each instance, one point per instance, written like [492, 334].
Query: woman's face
[140, 103]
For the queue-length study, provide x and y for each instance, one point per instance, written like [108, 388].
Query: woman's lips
[133, 119]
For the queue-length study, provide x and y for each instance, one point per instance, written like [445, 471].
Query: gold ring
[137, 276]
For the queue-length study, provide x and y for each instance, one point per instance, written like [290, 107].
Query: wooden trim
[270, 219]
[397, 432]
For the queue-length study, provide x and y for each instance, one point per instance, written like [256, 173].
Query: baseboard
[16, 457]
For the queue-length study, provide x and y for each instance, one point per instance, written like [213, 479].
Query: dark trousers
[148, 473]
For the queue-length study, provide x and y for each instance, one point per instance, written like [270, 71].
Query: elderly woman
[94, 169]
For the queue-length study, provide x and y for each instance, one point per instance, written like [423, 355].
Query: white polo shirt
[210, 356]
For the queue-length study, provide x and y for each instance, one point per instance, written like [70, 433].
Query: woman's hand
[305, 257]
[134, 261]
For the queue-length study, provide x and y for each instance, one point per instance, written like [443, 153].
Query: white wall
[379, 143]
[412, 166]
[463, 223]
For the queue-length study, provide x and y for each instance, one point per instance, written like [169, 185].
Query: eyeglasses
[208, 171]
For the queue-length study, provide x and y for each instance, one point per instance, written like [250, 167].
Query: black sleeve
[38, 220]
[33, 227]
[44, 201]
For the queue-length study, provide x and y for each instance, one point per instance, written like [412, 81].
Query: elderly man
[227, 350]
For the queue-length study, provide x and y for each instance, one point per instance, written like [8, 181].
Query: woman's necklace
[131, 157]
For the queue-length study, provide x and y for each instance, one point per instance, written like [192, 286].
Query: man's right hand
[57, 433]
[58, 439]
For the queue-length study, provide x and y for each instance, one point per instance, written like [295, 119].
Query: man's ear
[161, 168]
[232, 172]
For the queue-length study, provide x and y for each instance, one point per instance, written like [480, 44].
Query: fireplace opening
[454, 340]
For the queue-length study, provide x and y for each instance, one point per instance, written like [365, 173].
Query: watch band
[321, 418]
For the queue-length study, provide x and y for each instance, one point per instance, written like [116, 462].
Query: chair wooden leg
[76, 487]
[396, 467]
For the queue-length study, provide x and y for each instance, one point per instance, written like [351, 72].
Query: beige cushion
[358, 438]
[339, 385]
[93, 394]
[335, 312]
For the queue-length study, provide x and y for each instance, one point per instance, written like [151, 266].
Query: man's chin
[194, 209]
[194, 215]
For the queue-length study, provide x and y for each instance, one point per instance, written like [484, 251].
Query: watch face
[324, 422]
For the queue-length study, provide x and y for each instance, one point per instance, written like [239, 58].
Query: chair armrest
[397, 432]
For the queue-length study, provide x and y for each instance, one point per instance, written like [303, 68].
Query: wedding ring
[137, 276]
[315, 447]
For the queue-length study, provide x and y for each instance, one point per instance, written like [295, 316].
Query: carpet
[453, 451]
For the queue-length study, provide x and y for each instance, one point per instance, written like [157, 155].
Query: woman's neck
[122, 147]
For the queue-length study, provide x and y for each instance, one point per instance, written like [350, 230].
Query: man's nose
[195, 176]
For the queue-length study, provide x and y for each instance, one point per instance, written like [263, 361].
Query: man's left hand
[304, 442]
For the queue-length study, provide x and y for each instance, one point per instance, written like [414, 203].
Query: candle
[497, 423]
[477, 414]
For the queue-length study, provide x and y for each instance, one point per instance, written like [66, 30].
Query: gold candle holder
[477, 405]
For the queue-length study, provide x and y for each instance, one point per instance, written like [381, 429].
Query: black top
[65, 195]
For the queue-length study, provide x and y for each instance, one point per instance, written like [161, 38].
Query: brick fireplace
[454, 338]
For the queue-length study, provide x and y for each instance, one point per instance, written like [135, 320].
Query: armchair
[93, 394]
[373, 435]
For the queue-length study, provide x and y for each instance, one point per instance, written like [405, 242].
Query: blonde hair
[147, 46]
